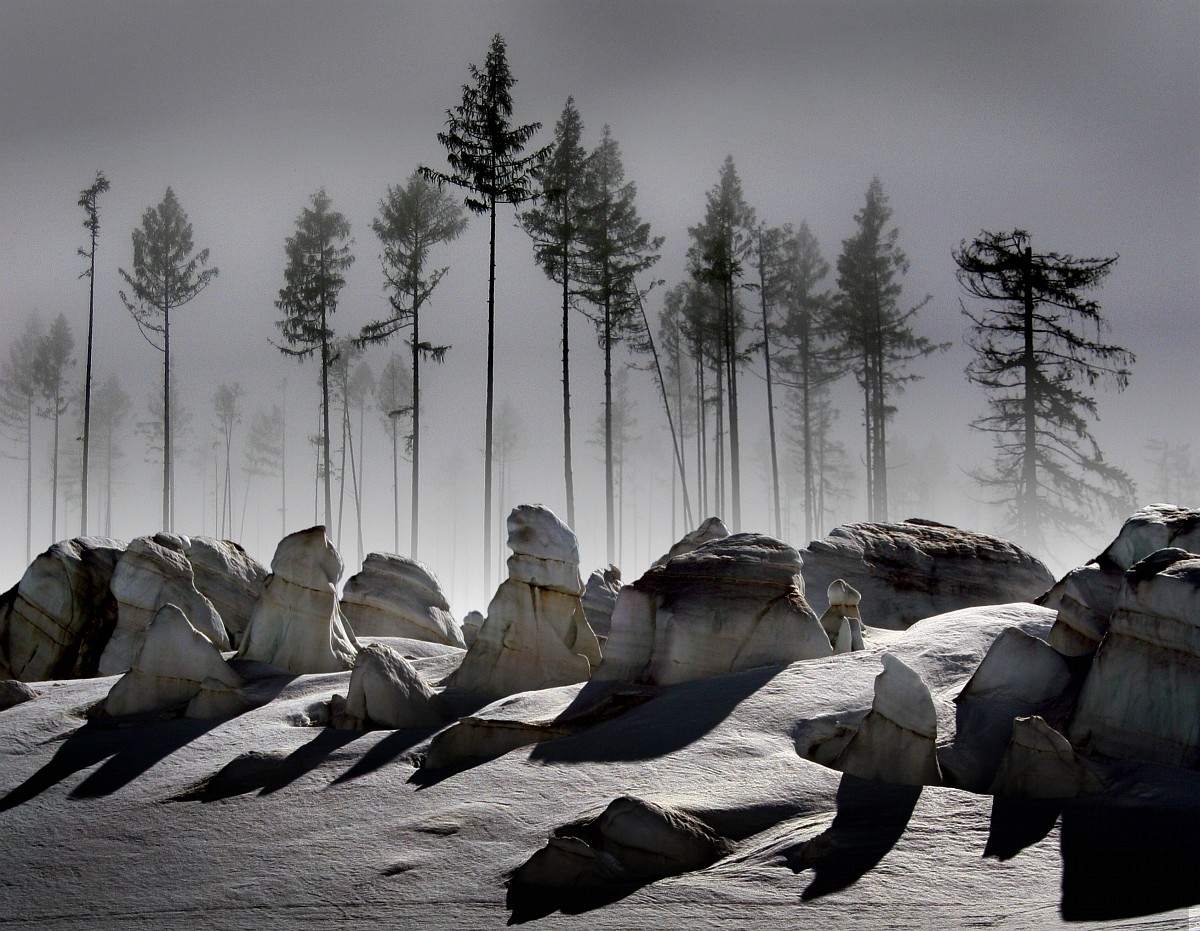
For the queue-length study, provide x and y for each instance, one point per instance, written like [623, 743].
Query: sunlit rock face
[713, 528]
[226, 575]
[55, 622]
[731, 604]
[841, 621]
[535, 635]
[1040, 763]
[394, 596]
[1141, 697]
[916, 568]
[297, 624]
[13, 693]
[174, 663]
[600, 597]
[1086, 597]
[148, 576]
[897, 740]
[387, 692]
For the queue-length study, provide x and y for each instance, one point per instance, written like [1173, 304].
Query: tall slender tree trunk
[54, 480]
[325, 413]
[360, 489]
[395, 484]
[806, 419]
[415, 506]
[487, 431]
[87, 389]
[283, 467]
[28, 479]
[1028, 506]
[355, 488]
[762, 277]
[108, 484]
[735, 480]
[609, 516]
[168, 500]
[566, 380]
[701, 435]
[346, 440]
[719, 491]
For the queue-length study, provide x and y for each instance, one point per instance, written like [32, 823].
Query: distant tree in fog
[53, 358]
[393, 393]
[110, 407]
[412, 220]
[556, 227]
[264, 455]
[227, 403]
[352, 381]
[617, 247]
[166, 275]
[1176, 477]
[484, 150]
[876, 331]
[1037, 352]
[19, 393]
[89, 200]
[318, 255]
[768, 258]
[151, 429]
[680, 389]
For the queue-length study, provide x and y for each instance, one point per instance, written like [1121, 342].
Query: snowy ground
[266, 820]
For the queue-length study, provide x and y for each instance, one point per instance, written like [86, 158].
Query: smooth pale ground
[333, 835]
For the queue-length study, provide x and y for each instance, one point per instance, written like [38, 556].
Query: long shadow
[1124, 859]
[1017, 823]
[871, 817]
[385, 751]
[127, 750]
[678, 716]
[531, 904]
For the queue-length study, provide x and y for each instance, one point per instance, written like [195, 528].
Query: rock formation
[13, 693]
[1086, 597]
[470, 626]
[535, 635]
[148, 576]
[600, 597]
[897, 740]
[394, 596]
[1040, 763]
[387, 692]
[1018, 667]
[914, 569]
[227, 576]
[174, 663]
[733, 603]
[713, 528]
[1141, 697]
[297, 624]
[55, 622]
[841, 621]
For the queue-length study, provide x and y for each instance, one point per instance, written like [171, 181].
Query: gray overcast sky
[1076, 121]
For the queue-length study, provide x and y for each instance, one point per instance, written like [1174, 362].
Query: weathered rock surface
[148, 576]
[394, 596]
[733, 603]
[227, 576]
[600, 597]
[897, 740]
[470, 626]
[1086, 597]
[1021, 667]
[1040, 763]
[174, 662]
[387, 692]
[535, 635]
[1141, 697]
[297, 624]
[713, 528]
[55, 622]
[13, 693]
[631, 840]
[914, 569]
[841, 621]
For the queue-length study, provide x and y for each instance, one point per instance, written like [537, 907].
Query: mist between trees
[760, 386]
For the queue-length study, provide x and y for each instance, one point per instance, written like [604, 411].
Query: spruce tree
[1037, 352]
[484, 150]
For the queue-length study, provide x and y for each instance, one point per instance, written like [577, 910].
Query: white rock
[733, 603]
[841, 621]
[13, 693]
[1040, 763]
[1021, 667]
[1141, 697]
[545, 551]
[917, 568]
[148, 576]
[600, 598]
[227, 576]
[55, 622]
[470, 626]
[387, 692]
[394, 596]
[173, 661]
[713, 528]
[297, 624]
[897, 740]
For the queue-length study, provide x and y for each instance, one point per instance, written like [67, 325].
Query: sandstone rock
[1040, 763]
[394, 596]
[55, 622]
[174, 660]
[917, 568]
[1141, 697]
[148, 576]
[13, 693]
[896, 741]
[470, 626]
[227, 576]
[600, 597]
[713, 528]
[1086, 597]
[1020, 667]
[731, 604]
[297, 624]
[387, 692]
[841, 621]
[535, 635]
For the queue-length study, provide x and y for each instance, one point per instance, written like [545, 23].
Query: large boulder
[148, 576]
[730, 604]
[535, 635]
[297, 624]
[1040, 763]
[386, 691]
[1141, 697]
[173, 665]
[394, 596]
[600, 597]
[1086, 597]
[55, 622]
[917, 568]
[712, 528]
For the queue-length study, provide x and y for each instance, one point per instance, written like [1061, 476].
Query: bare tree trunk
[1027, 509]
[731, 375]
[609, 516]
[168, 500]
[54, 480]
[415, 506]
[762, 277]
[487, 438]
[566, 380]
